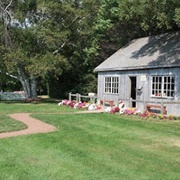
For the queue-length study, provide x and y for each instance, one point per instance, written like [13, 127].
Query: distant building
[147, 70]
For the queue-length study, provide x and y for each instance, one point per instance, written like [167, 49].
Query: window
[163, 86]
[111, 85]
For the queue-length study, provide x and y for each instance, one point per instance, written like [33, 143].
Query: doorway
[133, 90]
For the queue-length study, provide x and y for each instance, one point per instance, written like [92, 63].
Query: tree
[61, 42]
[28, 53]
[48, 38]
[79, 49]
[120, 21]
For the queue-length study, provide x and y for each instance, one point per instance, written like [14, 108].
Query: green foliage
[177, 16]
[120, 21]
[61, 42]
[8, 84]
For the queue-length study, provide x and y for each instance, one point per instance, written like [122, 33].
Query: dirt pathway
[34, 126]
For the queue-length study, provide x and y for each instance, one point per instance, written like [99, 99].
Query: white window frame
[163, 86]
[111, 84]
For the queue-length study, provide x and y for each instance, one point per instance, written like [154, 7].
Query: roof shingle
[148, 52]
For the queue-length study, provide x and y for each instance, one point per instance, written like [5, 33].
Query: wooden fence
[19, 95]
[161, 105]
[78, 97]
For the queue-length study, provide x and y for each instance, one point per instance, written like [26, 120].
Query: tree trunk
[33, 87]
[29, 87]
[26, 87]
[29, 84]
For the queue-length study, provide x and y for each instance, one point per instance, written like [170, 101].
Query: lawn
[91, 146]
[9, 107]
[7, 124]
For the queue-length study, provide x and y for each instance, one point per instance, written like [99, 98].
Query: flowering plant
[130, 111]
[79, 105]
[114, 110]
[157, 116]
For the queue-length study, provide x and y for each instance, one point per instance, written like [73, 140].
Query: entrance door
[133, 90]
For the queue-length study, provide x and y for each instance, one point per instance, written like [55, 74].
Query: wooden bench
[107, 102]
[154, 106]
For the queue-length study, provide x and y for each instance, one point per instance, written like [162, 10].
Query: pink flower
[114, 110]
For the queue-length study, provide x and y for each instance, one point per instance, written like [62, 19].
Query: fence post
[70, 96]
[162, 106]
[145, 103]
[103, 102]
[130, 102]
[79, 98]
[91, 99]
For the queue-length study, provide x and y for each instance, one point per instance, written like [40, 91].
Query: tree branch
[57, 50]
[8, 5]
[10, 75]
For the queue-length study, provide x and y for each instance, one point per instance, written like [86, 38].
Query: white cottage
[145, 72]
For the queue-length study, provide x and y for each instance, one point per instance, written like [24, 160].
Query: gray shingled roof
[148, 52]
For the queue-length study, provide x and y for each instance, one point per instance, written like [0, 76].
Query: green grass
[7, 124]
[92, 146]
[9, 107]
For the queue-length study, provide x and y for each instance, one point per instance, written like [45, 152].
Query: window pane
[163, 86]
[111, 84]
[156, 86]
[107, 85]
[160, 79]
[172, 94]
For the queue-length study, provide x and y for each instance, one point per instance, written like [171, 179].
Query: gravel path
[34, 126]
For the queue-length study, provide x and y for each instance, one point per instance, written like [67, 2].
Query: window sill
[159, 97]
[111, 93]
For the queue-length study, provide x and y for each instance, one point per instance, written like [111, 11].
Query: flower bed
[113, 110]
[126, 111]
[130, 111]
[79, 105]
[147, 114]
[135, 111]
